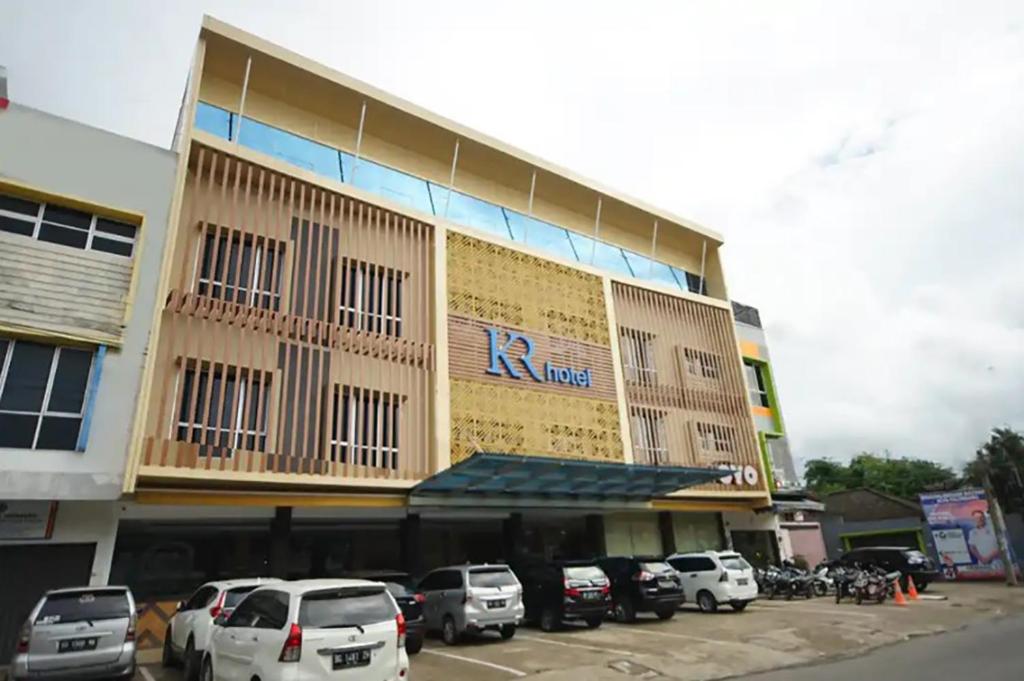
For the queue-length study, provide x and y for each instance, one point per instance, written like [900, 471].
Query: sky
[864, 161]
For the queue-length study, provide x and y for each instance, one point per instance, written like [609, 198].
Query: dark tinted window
[734, 563]
[63, 235]
[590, 572]
[201, 598]
[68, 391]
[244, 615]
[16, 226]
[682, 564]
[66, 216]
[430, 582]
[451, 579]
[337, 608]
[81, 606]
[271, 609]
[491, 578]
[16, 205]
[115, 228]
[703, 565]
[59, 432]
[658, 567]
[27, 376]
[398, 590]
[111, 246]
[233, 597]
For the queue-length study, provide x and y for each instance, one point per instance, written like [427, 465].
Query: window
[715, 439]
[638, 351]
[241, 268]
[371, 297]
[540, 235]
[700, 364]
[232, 414]
[201, 598]
[756, 384]
[649, 440]
[490, 578]
[451, 579]
[65, 226]
[42, 394]
[365, 427]
[352, 606]
[270, 609]
[469, 210]
[703, 565]
[84, 606]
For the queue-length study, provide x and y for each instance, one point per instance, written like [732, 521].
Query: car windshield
[657, 567]
[734, 562]
[345, 607]
[84, 606]
[491, 578]
[589, 572]
[235, 596]
[397, 589]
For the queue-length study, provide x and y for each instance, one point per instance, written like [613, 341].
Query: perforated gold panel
[494, 418]
[502, 285]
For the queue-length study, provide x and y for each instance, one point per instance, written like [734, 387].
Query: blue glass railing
[435, 199]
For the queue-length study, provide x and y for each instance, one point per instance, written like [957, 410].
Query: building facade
[388, 340]
[80, 251]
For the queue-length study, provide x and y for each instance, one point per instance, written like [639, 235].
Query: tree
[900, 477]
[1003, 457]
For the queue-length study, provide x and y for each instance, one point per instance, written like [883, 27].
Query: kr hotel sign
[512, 354]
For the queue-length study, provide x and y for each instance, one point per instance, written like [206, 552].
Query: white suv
[714, 577]
[311, 629]
[189, 630]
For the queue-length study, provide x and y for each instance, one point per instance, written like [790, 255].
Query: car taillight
[24, 637]
[643, 576]
[292, 649]
[606, 590]
[129, 635]
[572, 592]
[724, 577]
[218, 607]
[400, 621]
[420, 598]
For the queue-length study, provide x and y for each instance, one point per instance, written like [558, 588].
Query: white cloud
[864, 160]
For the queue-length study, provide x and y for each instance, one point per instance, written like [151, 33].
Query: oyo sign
[738, 475]
[513, 356]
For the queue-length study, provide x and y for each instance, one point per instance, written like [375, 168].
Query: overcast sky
[864, 160]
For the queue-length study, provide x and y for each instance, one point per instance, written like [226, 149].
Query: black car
[642, 584]
[561, 591]
[403, 587]
[891, 558]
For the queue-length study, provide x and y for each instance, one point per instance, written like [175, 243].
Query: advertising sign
[27, 519]
[965, 538]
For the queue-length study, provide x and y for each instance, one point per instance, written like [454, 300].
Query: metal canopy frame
[489, 474]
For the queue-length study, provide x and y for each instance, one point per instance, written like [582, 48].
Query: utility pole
[1000, 527]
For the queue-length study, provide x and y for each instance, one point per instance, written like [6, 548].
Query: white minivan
[711, 578]
[310, 629]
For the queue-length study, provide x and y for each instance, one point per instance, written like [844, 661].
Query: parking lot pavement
[693, 645]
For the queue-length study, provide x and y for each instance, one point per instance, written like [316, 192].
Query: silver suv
[470, 599]
[78, 634]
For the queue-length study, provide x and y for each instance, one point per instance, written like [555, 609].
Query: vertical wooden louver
[292, 310]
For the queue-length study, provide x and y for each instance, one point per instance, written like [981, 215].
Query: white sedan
[311, 629]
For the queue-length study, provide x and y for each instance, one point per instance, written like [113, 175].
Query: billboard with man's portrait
[964, 535]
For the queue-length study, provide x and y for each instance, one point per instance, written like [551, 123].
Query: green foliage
[900, 477]
[1003, 457]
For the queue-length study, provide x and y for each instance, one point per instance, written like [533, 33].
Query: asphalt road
[987, 651]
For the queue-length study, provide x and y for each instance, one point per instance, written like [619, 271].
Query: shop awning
[494, 475]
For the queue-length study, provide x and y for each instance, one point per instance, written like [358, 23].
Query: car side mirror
[221, 620]
[181, 605]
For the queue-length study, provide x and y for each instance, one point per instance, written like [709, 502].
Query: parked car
[714, 577]
[894, 558]
[561, 591]
[189, 630]
[642, 584]
[471, 599]
[403, 589]
[79, 633]
[310, 629]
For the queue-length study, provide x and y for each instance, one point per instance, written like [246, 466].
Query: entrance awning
[493, 475]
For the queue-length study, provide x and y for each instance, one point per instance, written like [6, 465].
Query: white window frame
[388, 308]
[254, 291]
[238, 433]
[715, 438]
[91, 232]
[639, 356]
[702, 364]
[651, 436]
[5, 366]
[350, 399]
[762, 397]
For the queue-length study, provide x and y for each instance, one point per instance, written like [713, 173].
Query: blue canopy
[487, 474]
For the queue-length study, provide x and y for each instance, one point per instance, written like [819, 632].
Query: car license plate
[591, 595]
[75, 645]
[666, 584]
[741, 582]
[352, 658]
[495, 604]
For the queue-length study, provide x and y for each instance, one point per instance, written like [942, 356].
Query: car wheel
[449, 634]
[706, 602]
[922, 586]
[594, 622]
[739, 606]
[666, 614]
[191, 670]
[167, 658]
[206, 673]
[548, 619]
[508, 631]
[625, 613]
[413, 644]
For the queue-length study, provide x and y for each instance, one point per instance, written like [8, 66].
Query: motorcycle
[788, 581]
[871, 584]
[823, 582]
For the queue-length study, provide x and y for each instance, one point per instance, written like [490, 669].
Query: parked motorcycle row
[859, 583]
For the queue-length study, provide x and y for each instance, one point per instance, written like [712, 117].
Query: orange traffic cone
[899, 599]
[911, 589]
